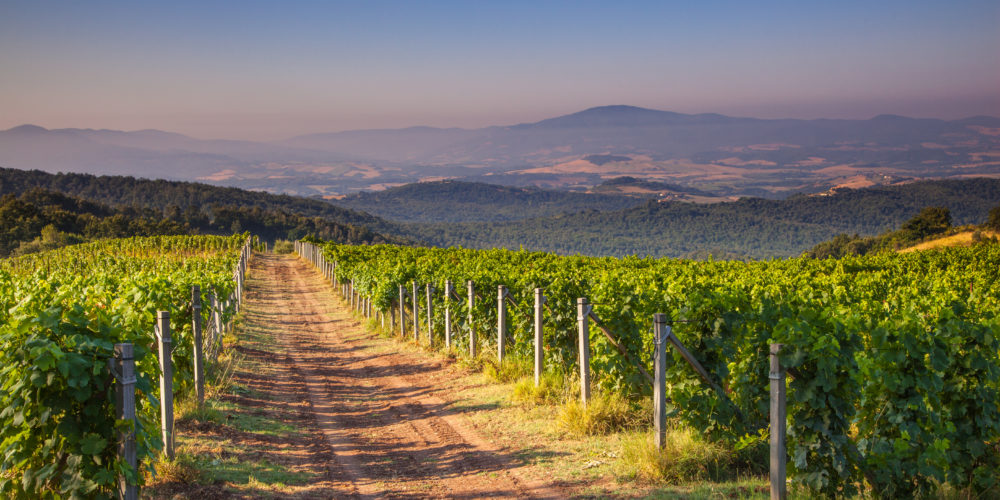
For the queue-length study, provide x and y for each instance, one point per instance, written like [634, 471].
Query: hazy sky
[269, 70]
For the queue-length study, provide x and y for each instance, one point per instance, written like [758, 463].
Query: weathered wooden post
[582, 313]
[430, 315]
[448, 290]
[539, 358]
[392, 318]
[416, 312]
[350, 289]
[501, 321]
[166, 383]
[472, 326]
[778, 419]
[402, 311]
[660, 333]
[199, 373]
[125, 410]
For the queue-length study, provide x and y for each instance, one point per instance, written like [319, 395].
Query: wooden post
[125, 410]
[448, 290]
[416, 312]
[402, 311]
[582, 313]
[539, 357]
[660, 333]
[430, 315]
[217, 310]
[199, 372]
[166, 383]
[472, 326]
[350, 289]
[778, 420]
[392, 318]
[501, 322]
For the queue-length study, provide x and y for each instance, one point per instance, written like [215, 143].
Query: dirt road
[389, 429]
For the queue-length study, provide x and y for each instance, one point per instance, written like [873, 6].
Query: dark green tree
[993, 221]
[930, 221]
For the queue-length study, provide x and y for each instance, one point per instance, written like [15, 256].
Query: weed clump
[551, 389]
[182, 469]
[605, 413]
[510, 370]
[685, 457]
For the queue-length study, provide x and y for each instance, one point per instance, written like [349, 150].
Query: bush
[283, 247]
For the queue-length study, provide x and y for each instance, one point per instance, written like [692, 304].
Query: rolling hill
[749, 227]
[456, 201]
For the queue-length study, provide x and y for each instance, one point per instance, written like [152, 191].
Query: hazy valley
[723, 157]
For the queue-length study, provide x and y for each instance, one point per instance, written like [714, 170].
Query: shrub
[283, 247]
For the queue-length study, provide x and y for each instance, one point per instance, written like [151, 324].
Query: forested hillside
[750, 227]
[119, 191]
[454, 201]
[40, 219]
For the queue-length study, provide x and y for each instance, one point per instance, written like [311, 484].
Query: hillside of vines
[896, 358]
[61, 313]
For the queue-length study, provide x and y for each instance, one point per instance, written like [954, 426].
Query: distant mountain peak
[28, 129]
[622, 115]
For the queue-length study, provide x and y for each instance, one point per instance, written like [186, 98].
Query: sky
[272, 70]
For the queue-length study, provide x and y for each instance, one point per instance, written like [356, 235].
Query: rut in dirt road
[391, 432]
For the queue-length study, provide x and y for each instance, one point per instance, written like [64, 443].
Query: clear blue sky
[267, 70]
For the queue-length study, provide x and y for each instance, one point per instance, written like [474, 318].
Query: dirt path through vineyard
[389, 428]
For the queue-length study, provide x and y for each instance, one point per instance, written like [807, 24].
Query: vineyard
[61, 314]
[894, 360]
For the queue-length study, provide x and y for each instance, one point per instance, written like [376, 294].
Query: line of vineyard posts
[663, 335]
[206, 344]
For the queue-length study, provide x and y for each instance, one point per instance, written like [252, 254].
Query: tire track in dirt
[388, 427]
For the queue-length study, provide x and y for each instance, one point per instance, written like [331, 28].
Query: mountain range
[722, 155]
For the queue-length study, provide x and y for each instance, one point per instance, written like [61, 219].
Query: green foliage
[930, 221]
[880, 345]
[61, 312]
[993, 221]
